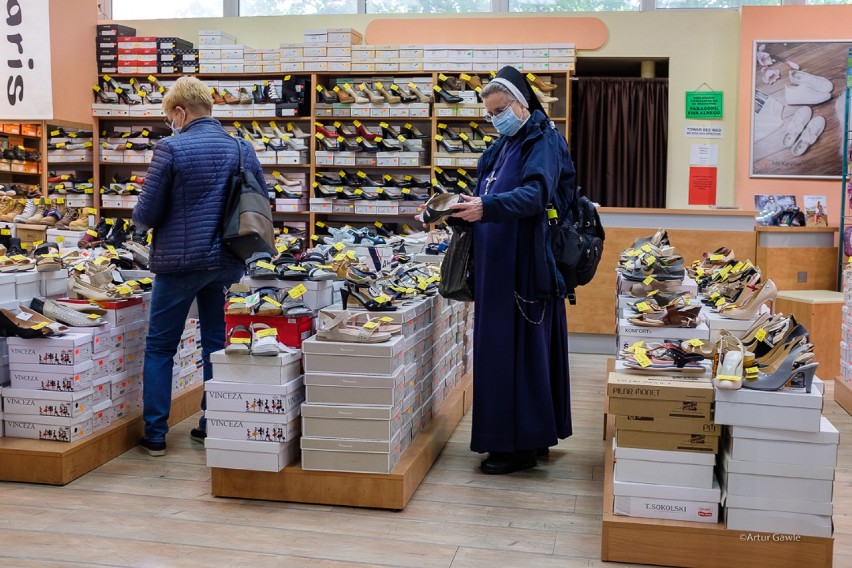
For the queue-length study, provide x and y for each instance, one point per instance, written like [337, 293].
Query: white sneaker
[29, 211]
[815, 82]
[804, 95]
[809, 136]
[800, 120]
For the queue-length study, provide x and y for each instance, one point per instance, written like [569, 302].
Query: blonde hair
[189, 93]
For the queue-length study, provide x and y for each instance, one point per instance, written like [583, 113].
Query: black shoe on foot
[154, 449]
[198, 435]
[542, 452]
[500, 463]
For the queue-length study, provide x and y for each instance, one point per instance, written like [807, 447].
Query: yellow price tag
[132, 283]
[93, 316]
[124, 289]
[111, 249]
[648, 281]
[721, 302]
[240, 341]
[635, 346]
[266, 265]
[297, 292]
[647, 248]
[237, 300]
[371, 325]
[39, 325]
[338, 246]
[695, 342]
[649, 260]
[382, 299]
[641, 358]
[269, 332]
[643, 307]
[272, 301]
[351, 254]
[760, 334]
[716, 257]
[386, 319]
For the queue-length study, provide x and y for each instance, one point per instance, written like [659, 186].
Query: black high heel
[446, 97]
[326, 96]
[448, 145]
[329, 144]
[412, 132]
[389, 131]
[350, 291]
[448, 132]
[366, 145]
[403, 96]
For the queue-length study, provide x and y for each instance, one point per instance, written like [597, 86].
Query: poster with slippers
[798, 109]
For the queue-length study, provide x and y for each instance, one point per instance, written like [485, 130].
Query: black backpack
[576, 238]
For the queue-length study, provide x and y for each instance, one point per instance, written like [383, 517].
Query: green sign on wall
[704, 104]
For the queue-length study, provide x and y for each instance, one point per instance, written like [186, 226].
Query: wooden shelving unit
[59, 463]
[390, 491]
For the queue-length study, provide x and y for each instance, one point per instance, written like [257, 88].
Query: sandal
[239, 341]
[333, 327]
[268, 304]
[729, 372]
[235, 300]
[260, 266]
[264, 341]
[295, 308]
[668, 358]
[674, 316]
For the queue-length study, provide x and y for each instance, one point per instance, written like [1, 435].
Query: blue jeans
[170, 302]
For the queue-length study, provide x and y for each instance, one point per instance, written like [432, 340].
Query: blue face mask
[507, 123]
[175, 129]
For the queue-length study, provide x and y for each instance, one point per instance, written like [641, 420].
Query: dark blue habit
[521, 397]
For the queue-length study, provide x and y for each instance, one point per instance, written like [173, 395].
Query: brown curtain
[621, 140]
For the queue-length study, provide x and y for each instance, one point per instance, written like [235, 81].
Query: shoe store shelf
[60, 463]
[372, 490]
[559, 112]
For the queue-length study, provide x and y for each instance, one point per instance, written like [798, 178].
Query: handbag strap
[240, 149]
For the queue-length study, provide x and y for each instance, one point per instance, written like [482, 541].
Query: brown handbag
[247, 220]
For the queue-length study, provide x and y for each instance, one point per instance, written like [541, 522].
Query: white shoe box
[626, 329]
[717, 324]
[65, 350]
[354, 456]
[52, 377]
[53, 284]
[814, 449]
[134, 335]
[687, 285]
[101, 364]
[100, 336]
[134, 361]
[47, 403]
[660, 467]
[253, 426]
[250, 455]
[785, 409]
[379, 423]
[7, 287]
[102, 415]
[116, 363]
[255, 398]
[780, 516]
[278, 370]
[116, 336]
[355, 358]
[126, 404]
[102, 388]
[667, 502]
[120, 384]
[27, 286]
[48, 427]
[762, 479]
[331, 388]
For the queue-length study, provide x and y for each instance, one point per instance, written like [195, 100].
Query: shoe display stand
[423, 165]
[59, 463]
[372, 490]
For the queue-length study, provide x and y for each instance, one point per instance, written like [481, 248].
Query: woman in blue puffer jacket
[182, 201]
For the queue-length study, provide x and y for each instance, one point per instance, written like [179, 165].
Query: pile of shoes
[351, 327]
[733, 288]
[134, 92]
[474, 137]
[345, 185]
[651, 259]
[371, 92]
[39, 211]
[258, 339]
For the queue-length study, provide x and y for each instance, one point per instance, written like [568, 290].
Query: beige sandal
[336, 328]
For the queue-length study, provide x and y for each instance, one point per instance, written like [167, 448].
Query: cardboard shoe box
[240, 454]
[380, 423]
[52, 377]
[331, 388]
[253, 426]
[251, 398]
[355, 358]
[48, 427]
[668, 442]
[675, 409]
[278, 370]
[784, 410]
[47, 403]
[65, 350]
[674, 387]
[815, 449]
[354, 456]
[667, 502]
[682, 469]
[669, 425]
[781, 516]
[761, 479]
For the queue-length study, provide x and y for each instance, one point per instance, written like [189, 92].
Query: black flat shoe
[501, 463]
[197, 435]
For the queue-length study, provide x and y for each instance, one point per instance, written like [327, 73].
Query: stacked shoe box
[262, 61]
[102, 342]
[665, 447]
[137, 55]
[175, 55]
[4, 378]
[51, 395]
[352, 420]
[778, 460]
[218, 52]
[187, 369]
[322, 50]
[253, 410]
[107, 46]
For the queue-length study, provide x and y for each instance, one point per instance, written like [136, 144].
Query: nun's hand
[469, 210]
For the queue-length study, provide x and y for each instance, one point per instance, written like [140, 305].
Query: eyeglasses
[489, 117]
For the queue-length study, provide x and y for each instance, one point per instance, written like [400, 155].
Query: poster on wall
[25, 53]
[798, 108]
[816, 211]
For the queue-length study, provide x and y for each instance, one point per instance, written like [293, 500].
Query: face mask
[175, 129]
[507, 123]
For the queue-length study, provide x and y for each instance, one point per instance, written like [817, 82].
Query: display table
[820, 312]
[59, 463]
[380, 491]
[798, 258]
[843, 394]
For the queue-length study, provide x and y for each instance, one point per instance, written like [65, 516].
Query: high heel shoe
[450, 83]
[729, 372]
[321, 129]
[476, 146]
[389, 131]
[391, 99]
[360, 295]
[438, 207]
[329, 144]
[542, 98]
[449, 145]
[292, 128]
[540, 84]
[412, 132]
[354, 94]
[446, 97]
[326, 96]
[421, 96]
[405, 98]
[789, 371]
[343, 96]
[767, 293]
[372, 96]
[362, 131]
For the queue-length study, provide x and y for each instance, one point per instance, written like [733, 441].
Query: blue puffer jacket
[184, 196]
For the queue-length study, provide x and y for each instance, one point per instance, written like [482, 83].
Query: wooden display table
[58, 463]
[843, 394]
[798, 258]
[700, 545]
[820, 312]
[379, 491]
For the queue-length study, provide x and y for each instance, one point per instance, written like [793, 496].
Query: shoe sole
[153, 453]
[196, 439]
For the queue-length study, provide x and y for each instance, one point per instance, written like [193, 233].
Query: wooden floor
[158, 512]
